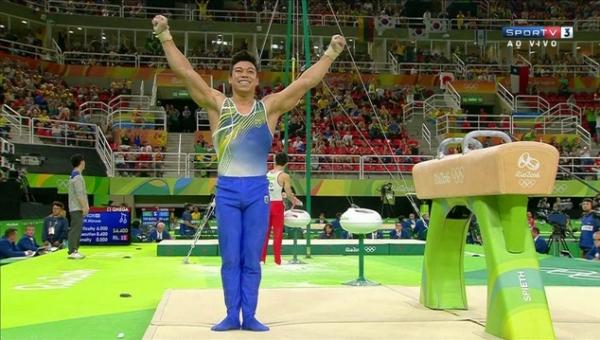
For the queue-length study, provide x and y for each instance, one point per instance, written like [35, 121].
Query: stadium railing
[58, 132]
[505, 96]
[135, 112]
[105, 152]
[130, 101]
[412, 109]
[426, 135]
[531, 103]
[156, 164]
[133, 118]
[192, 13]
[565, 109]
[95, 112]
[31, 51]
[552, 125]
[447, 101]
[149, 164]
[447, 124]
[476, 69]
[20, 126]
[480, 23]
[594, 65]
[424, 68]
[459, 68]
[102, 59]
[546, 70]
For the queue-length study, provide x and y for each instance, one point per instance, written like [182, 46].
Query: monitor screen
[106, 225]
[151, 216]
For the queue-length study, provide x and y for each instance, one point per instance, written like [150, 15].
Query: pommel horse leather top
[517, 168]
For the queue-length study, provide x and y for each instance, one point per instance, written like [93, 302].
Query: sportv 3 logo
[528, 172]
[537, 35]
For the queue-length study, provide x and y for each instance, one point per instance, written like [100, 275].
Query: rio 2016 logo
[65, 280]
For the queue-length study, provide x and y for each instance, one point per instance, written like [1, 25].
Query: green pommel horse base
[494, 184]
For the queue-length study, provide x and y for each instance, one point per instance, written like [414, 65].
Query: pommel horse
[494, 184]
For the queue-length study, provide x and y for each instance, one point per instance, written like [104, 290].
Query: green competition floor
[50, 297]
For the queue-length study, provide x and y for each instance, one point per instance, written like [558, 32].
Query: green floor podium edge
[517, 307]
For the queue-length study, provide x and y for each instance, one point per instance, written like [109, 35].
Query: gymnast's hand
[336, 46]
[160, 27]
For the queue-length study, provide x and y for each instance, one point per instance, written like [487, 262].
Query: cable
[411, 200]
[268, 30]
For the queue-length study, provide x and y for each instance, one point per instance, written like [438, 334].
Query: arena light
[275, 46]
[71, 32]
[1, 26]
[79, 28]
[24, 22]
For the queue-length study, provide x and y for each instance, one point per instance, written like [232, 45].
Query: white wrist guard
[331, 53]
[164, 36]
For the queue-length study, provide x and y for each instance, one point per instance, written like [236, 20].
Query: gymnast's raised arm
[206, 97]
[280, 102]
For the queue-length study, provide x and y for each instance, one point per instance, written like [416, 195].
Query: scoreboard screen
[106, 226]
[151, 216]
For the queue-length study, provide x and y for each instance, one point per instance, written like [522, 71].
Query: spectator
[187, 122]
[196, 215]
[136, 233]
[55, 227]
[530, 220]
[299, 145]
[407, 230]
[421, 227]
[327, 233]
[337, 227]
[187, 228]
[159, 233]
[202, 10]
[460, 19]
[322, 219]
[4, 127]
[540, 244]
[594, 253]
[8, 248]
[27, 242]
[412, 221]
[396, 233]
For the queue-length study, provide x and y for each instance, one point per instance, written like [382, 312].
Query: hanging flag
[417, 33]
[519, 78]
[437, 26]
[384, 22]
[445, 78]
[366, 28]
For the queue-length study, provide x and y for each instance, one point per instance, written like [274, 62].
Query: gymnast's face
[243, 78]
